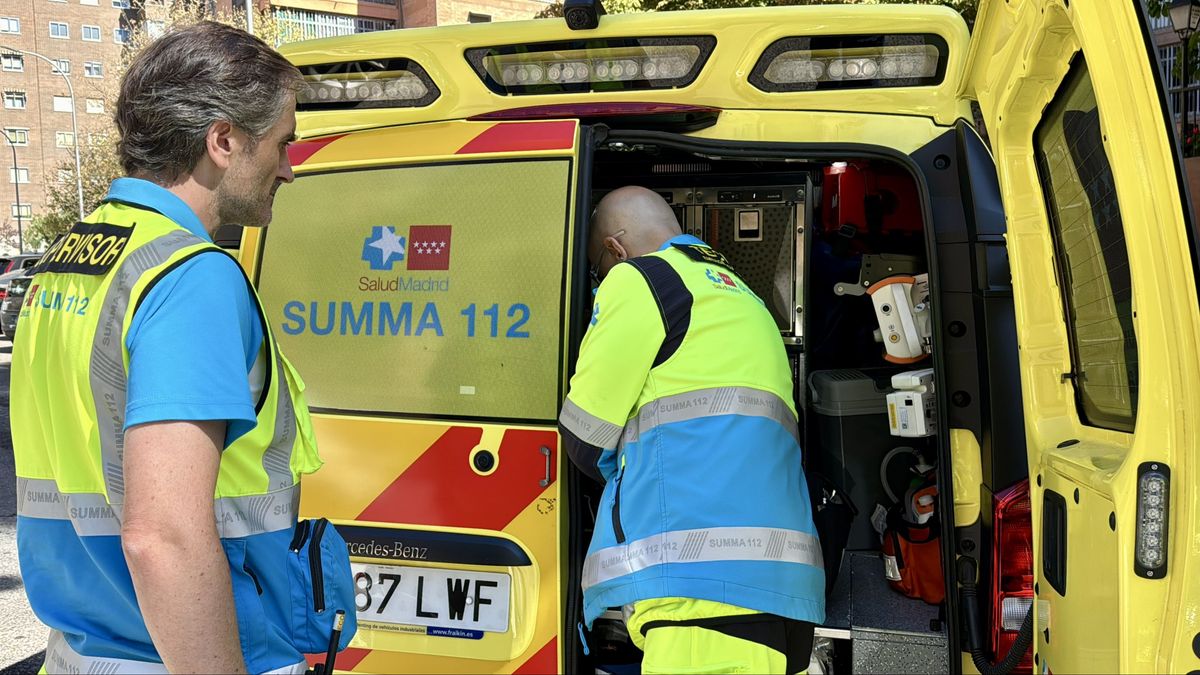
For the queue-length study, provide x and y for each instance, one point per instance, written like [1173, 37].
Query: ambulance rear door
[1103, 257]
[416, 277]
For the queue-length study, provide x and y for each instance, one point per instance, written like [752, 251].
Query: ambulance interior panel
[837, 252]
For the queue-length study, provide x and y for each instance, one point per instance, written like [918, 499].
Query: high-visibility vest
[69, 383]
[705, 495]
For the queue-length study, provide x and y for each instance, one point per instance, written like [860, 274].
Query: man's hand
[169, 535]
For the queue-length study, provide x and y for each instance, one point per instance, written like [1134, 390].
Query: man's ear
[221, 143]
[615, 248]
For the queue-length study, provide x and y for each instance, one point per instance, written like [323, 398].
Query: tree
[97, 141]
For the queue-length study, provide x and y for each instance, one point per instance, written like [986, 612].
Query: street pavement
[22, 636]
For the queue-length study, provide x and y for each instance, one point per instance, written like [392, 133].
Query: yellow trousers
[691, 637]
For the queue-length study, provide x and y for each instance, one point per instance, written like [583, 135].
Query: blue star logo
[383, 248]
[595, 314]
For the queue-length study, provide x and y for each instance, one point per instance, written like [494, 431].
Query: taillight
[1012, 570]
[3, 294]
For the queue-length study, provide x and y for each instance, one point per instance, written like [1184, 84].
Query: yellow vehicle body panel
[386, 474]
[1110, 619]
[742, 35]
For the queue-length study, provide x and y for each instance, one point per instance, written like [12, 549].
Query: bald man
[681, 405]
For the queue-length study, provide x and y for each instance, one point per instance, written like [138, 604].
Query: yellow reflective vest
[69, 382]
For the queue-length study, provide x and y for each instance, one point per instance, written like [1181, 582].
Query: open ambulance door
[418, 279]
[1103, 258]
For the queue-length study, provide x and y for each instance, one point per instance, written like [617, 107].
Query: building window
[64, 176]
[64, 139]
[14, 100]
[95, 106]
[60, 30]
[61, 66]
[155, 29]
[1167, 56]
[22, 210]
[120, 4]
[13, 63]
[93, 69]
[381, 2]
[17, 135]
[472, 17]
[62, 104]
[89, 2]
[10, 24]
[91, 33]
[300, 24]
[120, 35]
[19, 174]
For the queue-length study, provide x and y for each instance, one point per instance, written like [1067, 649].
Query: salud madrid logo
[427, 247]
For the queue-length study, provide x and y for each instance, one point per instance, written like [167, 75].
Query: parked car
[19, 266]
[10, 308]
[19, 262]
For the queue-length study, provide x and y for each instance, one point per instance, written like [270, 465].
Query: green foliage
[97, 151]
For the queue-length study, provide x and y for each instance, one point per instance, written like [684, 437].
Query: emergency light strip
[849, 62]
[375, 83]
[1153, 510]
[603, 65]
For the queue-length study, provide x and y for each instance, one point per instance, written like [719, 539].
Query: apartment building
[81, 39]
[310, 19]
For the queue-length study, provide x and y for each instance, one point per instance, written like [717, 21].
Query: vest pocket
[321, 584]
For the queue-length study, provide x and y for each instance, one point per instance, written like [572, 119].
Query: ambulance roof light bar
[851, 62]
[371, 83]
[604, 64]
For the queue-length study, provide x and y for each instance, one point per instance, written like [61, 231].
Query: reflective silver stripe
[60, 658]
[711, 403]
[717, 544]
[588, 427]
[277, 460]
[89, 513]
[107, 369]
[256, 514]
[92, 516]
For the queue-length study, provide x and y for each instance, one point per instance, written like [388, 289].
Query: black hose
[969, 598]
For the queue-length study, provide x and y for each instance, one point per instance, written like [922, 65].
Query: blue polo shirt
[684, 239]
[195, 338]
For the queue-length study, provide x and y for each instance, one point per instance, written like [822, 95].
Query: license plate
[456, 600]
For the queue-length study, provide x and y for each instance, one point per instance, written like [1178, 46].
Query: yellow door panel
[434, 374]
[1107, 322]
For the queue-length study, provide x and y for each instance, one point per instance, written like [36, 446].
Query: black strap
[790, 637]
[674, 302]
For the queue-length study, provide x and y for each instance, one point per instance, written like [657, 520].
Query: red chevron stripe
[544, 662]
[441, 489]
[300, 151]
[347, 659]
[522, 136]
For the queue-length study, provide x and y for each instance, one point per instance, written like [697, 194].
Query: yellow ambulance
[976, 247]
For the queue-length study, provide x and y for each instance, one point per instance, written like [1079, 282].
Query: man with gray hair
[159, 433]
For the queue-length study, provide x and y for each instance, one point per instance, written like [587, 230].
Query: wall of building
[41, 85]
[459, 11]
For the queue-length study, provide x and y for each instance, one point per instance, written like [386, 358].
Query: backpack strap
[673, 298]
